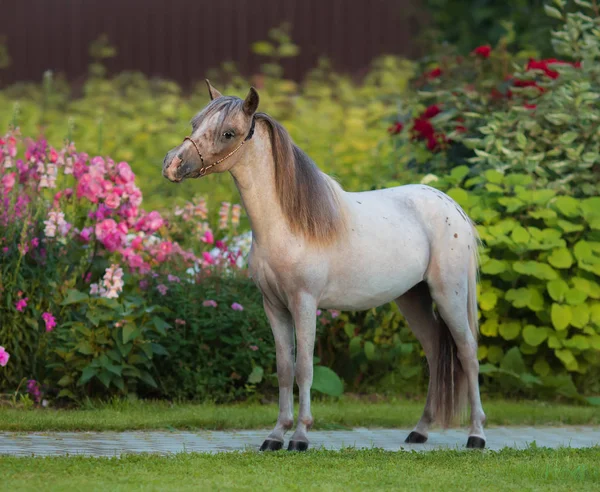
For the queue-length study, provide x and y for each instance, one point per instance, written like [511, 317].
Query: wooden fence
[182, 39]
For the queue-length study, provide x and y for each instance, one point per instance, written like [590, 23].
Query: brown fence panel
[182, 39]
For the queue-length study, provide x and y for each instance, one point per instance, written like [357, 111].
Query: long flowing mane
[308, 197]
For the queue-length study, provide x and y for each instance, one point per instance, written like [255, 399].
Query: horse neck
[254, 176]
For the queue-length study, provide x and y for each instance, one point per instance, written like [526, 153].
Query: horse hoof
[475, 442]
[297, 446]
[415, 438]
[271, 445]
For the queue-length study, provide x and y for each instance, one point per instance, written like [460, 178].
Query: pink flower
[208, 237]
[86, 234]
[4, 356]
[180, 322]
[208, 258]
[253, 348]
[124, 173]
[162, 288]
[319, 312]
[334, 313]
[143, 284]
[49, 320]
[210, 303]
[33, 388]
[137, 243]
[237, 307]
[113, 200]
[8, 182]
[21, 304]
[173, 278]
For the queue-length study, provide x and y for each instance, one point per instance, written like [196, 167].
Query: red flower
[422, 129]
[530, 106]
[543, 65]
[434, 74]
[461, 128]
[395, 128]
[482, 51]
[431, 111]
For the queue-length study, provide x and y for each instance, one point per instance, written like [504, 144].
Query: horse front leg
[305, 318]
[283, 333]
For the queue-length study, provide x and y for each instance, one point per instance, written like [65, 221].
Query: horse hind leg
[453, 288]
[417, 307]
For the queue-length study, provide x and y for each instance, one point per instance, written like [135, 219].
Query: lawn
[345, 413]
[531, 469]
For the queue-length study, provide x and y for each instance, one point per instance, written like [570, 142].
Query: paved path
[164, 442]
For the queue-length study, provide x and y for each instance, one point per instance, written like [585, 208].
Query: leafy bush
[216, 352]
[530, 142]
[70, 316]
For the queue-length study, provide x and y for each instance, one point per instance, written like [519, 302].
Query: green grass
[531, 469]
[120, 415]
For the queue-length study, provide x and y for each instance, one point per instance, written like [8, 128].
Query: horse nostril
[180, 156]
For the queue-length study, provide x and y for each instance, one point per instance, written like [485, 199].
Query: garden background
[116, 283]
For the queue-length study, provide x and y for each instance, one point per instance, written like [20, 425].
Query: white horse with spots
[315, 246]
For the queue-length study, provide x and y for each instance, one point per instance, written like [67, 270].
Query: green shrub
[215, 352]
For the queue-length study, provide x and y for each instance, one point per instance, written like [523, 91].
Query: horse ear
[212, 92]
[251, 102]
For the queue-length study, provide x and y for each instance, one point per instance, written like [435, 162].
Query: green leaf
[494, 267]
[561, 316]
[87, 374]
[355, 346]
[460, 196]
[574, 297]
[513, 361]
[534, 335]
[256, 375]
[567, 358]
[369, 350]
[535, 269]
[493, 176]
[489, 327]
[495, 354]
[104, 377]
[520, 235]
[561, 258]
[557, 289]
[66, 380]
[510, 330]
[553, 12]
[158, 349]
[580, 316]
[148, 379]
[567, 226]
[487, 301]
[160, 325]
[327, 382]
[130, 331]
[567, 205]
[73, 297]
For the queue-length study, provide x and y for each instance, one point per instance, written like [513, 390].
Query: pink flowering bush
[87, 274]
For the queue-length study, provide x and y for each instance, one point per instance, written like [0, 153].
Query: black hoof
[415, 438]
[475, 442]
[297, 446]
[271, 445]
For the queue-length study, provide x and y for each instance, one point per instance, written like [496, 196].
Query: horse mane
[308, 197]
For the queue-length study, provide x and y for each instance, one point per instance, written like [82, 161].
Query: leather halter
[204, 168]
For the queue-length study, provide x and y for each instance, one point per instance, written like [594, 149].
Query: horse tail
[450, 386]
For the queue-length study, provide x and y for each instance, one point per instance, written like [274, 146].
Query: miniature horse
[315, 245]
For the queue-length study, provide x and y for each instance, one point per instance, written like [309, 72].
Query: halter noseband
[204, 168]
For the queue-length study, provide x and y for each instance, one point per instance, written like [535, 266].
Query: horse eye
[228, 135]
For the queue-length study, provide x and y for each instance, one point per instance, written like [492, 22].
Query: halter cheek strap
[204, 168]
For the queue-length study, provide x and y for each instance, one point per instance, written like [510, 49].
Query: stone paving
[165, 442]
